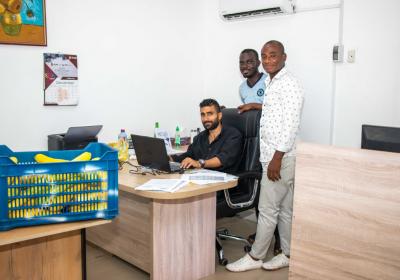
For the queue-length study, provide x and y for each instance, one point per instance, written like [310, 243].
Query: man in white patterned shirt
[279, 125]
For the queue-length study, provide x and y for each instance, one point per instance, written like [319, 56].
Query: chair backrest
[248, 123]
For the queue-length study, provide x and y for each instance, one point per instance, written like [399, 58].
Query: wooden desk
[169, 235]
[45, 252]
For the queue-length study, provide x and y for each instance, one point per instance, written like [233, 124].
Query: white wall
[142, 62]
[308, 38]
[138, 63]
[367, 92]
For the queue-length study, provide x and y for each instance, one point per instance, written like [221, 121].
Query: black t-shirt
[227, 147]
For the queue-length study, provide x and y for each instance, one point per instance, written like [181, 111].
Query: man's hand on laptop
[188, 163]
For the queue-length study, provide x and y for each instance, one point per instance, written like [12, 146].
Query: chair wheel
[223, 261]
[247, 248]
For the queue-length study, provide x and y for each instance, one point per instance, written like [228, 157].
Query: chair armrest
[250, 174]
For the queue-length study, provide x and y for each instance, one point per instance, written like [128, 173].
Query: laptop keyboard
[175, 166]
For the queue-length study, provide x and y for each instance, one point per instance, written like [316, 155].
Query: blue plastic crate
[42, 193]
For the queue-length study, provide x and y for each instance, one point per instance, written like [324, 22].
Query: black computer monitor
[381, 138]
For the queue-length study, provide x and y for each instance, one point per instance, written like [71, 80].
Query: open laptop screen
[151, 152]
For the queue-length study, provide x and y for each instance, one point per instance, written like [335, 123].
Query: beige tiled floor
[103, 266]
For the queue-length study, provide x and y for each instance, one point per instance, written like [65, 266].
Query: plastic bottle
[193, 133]
[123, 154]
[156, 126]
[177, 137]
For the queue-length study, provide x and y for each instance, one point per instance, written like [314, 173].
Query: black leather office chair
[245, 195]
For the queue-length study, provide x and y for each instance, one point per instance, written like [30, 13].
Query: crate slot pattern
[56, 194]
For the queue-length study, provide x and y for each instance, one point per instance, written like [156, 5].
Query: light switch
[351, 56]
[337, 53]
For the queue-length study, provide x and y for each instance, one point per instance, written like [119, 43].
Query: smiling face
[248, 64]
[273, 58]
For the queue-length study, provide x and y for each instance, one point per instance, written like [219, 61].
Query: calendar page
[60, 79]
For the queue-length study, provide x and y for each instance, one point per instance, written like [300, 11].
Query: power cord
[144, 170]
[140, 170]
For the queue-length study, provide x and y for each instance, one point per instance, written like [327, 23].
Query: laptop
[151, 153]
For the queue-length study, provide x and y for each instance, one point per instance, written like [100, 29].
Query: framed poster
[23, 22]
[60, 79]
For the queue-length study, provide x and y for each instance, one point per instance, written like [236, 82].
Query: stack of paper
[163, 185]
[204, 176]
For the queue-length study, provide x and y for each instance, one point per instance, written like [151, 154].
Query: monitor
[381, 138]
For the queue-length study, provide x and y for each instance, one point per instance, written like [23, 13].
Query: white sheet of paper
[163, 185]
[205, 176]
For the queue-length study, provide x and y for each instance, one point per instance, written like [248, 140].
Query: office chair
[245, 195]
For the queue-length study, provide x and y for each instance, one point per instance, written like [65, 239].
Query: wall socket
[351, 56]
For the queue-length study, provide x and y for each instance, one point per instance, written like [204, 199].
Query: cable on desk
[122, 163]
[138, 170]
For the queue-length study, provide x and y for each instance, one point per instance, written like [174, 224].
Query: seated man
[218, 147]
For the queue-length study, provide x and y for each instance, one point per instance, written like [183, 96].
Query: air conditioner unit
[242, 9]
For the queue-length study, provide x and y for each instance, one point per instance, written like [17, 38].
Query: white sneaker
[244, 264]
[277, 262]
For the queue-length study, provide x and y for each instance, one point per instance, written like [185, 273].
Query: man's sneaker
[244, 264]
[277, 262]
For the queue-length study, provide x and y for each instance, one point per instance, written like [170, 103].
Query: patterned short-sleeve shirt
[281, 115]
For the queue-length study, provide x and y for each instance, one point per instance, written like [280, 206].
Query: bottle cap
[177, 128]
[122, 130]
[157, 125]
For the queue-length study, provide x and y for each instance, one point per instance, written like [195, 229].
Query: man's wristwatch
[202, 163]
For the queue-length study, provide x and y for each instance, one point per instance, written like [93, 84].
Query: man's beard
[213, 126]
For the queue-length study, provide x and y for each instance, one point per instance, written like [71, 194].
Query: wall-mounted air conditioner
[242, 9]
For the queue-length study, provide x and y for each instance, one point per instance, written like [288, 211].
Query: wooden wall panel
[346, 222]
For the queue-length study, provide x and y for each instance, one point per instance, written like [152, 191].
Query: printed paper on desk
[163, 185]
[204, 176]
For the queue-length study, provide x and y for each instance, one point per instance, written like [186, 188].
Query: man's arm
[181, 157]
[274, 166]
[292, 101]
[230, 151]
[292, 105]
[209, 163]
[249, 106]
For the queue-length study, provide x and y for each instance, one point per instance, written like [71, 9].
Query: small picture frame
[23, 22]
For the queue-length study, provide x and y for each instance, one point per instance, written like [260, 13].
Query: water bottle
[177, 137]
[156, 126]
[123, 153]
